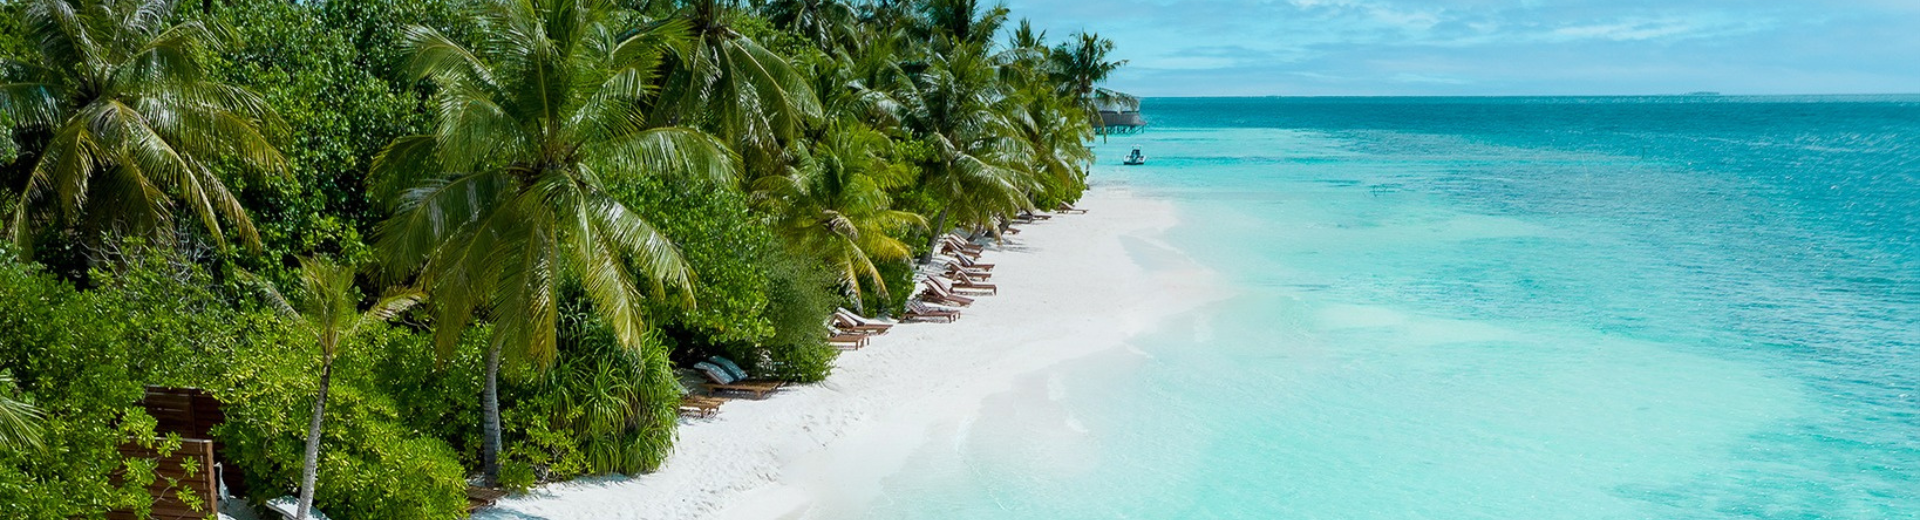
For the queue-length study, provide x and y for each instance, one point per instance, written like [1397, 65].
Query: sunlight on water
[1492, 309]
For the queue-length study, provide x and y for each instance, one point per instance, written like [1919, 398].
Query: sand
[1073, 286]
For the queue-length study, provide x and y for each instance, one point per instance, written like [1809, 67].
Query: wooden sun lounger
[847, 321]
[700, 405]
[936, 292]
[1068, 208]
[758, 388]
[957, 270]
[971, 264]
[964, 245]
[962, 281]
[848, 341]
[922, 312]
[950, 250]
[482, 497]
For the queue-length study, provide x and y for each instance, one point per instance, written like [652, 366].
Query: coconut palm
[127, 124]
[829, 24]
[836, 207]
[1053, 135]
[961, 22]
[955, 104]
[1080, 65]
[507, 200]
[19, 420]
[329, 314]
[725, 82]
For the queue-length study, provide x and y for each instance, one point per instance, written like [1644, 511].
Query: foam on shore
[1072, 286]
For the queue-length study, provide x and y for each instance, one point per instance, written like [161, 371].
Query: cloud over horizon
[1498, 47]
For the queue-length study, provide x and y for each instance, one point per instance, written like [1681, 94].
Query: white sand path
[1069, 287]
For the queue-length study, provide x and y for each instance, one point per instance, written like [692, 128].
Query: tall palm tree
[19, 420]
[1053, 135]
[1080, 66]
[829, 24]
[955, 105]
[725, 82]
[507, 200]
[961, 22]
[836, 206]
[129, 124]
[329, 314]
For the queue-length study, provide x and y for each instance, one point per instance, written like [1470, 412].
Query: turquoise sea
[1499, 308]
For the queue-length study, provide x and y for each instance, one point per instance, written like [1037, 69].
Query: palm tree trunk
[311, 471]
[490, 419]
[939, 228]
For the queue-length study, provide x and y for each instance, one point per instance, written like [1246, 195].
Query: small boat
[1136, 158]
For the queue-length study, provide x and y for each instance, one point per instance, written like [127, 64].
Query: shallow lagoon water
[1491, 308]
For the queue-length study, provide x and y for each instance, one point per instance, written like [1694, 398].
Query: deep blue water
[1662, 307]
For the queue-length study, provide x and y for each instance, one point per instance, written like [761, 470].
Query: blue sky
[1499, 47]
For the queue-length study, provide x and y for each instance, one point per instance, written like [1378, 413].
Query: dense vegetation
[409, 242]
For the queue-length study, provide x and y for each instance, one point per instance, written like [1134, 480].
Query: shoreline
[1070, 287]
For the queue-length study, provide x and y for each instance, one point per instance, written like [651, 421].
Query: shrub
[373, 463]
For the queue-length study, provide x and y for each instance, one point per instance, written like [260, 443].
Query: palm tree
[128, 124]
[836, 207]
[328, 314]
[829, 24]
[507, 201]
[19, 420]
[1054, 137]
[961, 22]
[1079, 66]
[725, 82]
[955, 106]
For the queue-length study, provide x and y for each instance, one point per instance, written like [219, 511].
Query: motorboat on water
[1136, 158]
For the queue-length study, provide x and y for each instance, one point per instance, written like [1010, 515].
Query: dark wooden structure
[183, 486]
[190, 413]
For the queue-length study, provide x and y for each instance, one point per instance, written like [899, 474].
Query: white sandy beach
[1069, 287]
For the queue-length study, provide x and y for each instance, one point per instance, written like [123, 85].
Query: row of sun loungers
[941, 300]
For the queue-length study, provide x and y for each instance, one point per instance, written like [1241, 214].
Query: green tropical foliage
[19, 420]
[589, 195]
[835, 206]
[128, 126]
[507, 202]
[329, 315]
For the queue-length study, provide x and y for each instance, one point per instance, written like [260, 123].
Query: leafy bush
[84, 359]
[800, 300]
[601, 409]
[373, 463]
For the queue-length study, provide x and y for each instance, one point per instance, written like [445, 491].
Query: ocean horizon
[1677, 307]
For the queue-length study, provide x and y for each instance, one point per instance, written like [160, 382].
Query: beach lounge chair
[848, 341]
[954, 286]
[939, 292]
[482, 497]
[920, 311]
[1034, 215]
[700, 405]
[289, 508]
[696, 405]
[956, 270]
[1068, 208]
[962, 280]
[848, 321]
[726, 376]
[971, 263]
[963, 245]
[949, 250]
